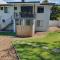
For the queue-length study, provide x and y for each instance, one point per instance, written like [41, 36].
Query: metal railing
[27, 15]
[24, 15]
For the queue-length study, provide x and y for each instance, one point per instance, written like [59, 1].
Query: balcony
[27, 15]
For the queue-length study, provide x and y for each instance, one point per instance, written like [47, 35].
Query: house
[24, 18]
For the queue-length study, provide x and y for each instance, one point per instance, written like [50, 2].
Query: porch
[25, 22]
[25, 27]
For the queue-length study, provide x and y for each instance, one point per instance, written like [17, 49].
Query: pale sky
[56, 1]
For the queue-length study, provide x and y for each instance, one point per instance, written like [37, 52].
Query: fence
[54, 23]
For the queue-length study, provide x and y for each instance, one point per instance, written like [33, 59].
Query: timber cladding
[23, 30]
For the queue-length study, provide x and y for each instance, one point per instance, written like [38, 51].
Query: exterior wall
[23, 30]
[18, 5]
[43, 17]
[6, 16]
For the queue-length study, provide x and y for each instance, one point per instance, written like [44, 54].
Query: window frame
[5, 9]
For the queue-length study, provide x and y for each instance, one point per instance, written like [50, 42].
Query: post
[14, 26]
[33, 31]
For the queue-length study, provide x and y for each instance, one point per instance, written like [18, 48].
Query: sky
[53, 1]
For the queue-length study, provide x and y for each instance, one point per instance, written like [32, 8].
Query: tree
[45, 1]
[55, 14]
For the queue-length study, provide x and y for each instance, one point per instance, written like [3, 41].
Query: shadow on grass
[31, 45]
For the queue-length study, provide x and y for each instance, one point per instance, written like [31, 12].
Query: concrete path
[7, 52]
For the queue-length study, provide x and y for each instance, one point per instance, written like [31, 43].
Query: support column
[23, 22]
[14, 25]
[33, 27]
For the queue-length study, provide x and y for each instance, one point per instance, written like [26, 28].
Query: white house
[24, 18]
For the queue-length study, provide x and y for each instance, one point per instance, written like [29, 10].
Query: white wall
[6, 16]
[43, 17]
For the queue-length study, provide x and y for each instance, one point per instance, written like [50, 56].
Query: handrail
[9, 18]
[25, 15]
[8, 22]
[31, 15]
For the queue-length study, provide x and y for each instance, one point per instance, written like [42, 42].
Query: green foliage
[45, 1]
[55, 13]
[32, 48]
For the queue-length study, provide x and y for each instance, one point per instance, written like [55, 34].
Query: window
[5, 10]
[15, 8]
[38, 23]
[40, 9]
[1, 8]
[28, 22]
[26, 9]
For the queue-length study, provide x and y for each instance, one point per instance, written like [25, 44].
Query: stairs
[7, 25]
[5, 28]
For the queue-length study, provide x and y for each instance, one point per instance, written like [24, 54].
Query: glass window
[38, 23]
[26, 9]
[1, 8]
[15, 8]
[40, 9]
[5, 10]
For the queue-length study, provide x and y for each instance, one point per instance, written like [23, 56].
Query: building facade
[24, 18]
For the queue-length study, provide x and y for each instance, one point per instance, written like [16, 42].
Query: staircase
[7, 24]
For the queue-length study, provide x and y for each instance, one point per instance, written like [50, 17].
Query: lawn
[37, 48]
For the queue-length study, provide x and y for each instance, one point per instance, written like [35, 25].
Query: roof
[57, 4]
[47, 3]
[35, 2]
[4, 3]
[25, 2]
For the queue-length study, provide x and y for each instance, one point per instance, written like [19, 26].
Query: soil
[7, 52]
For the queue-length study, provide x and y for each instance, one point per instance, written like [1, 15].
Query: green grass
[8, 33]
[32, 48]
